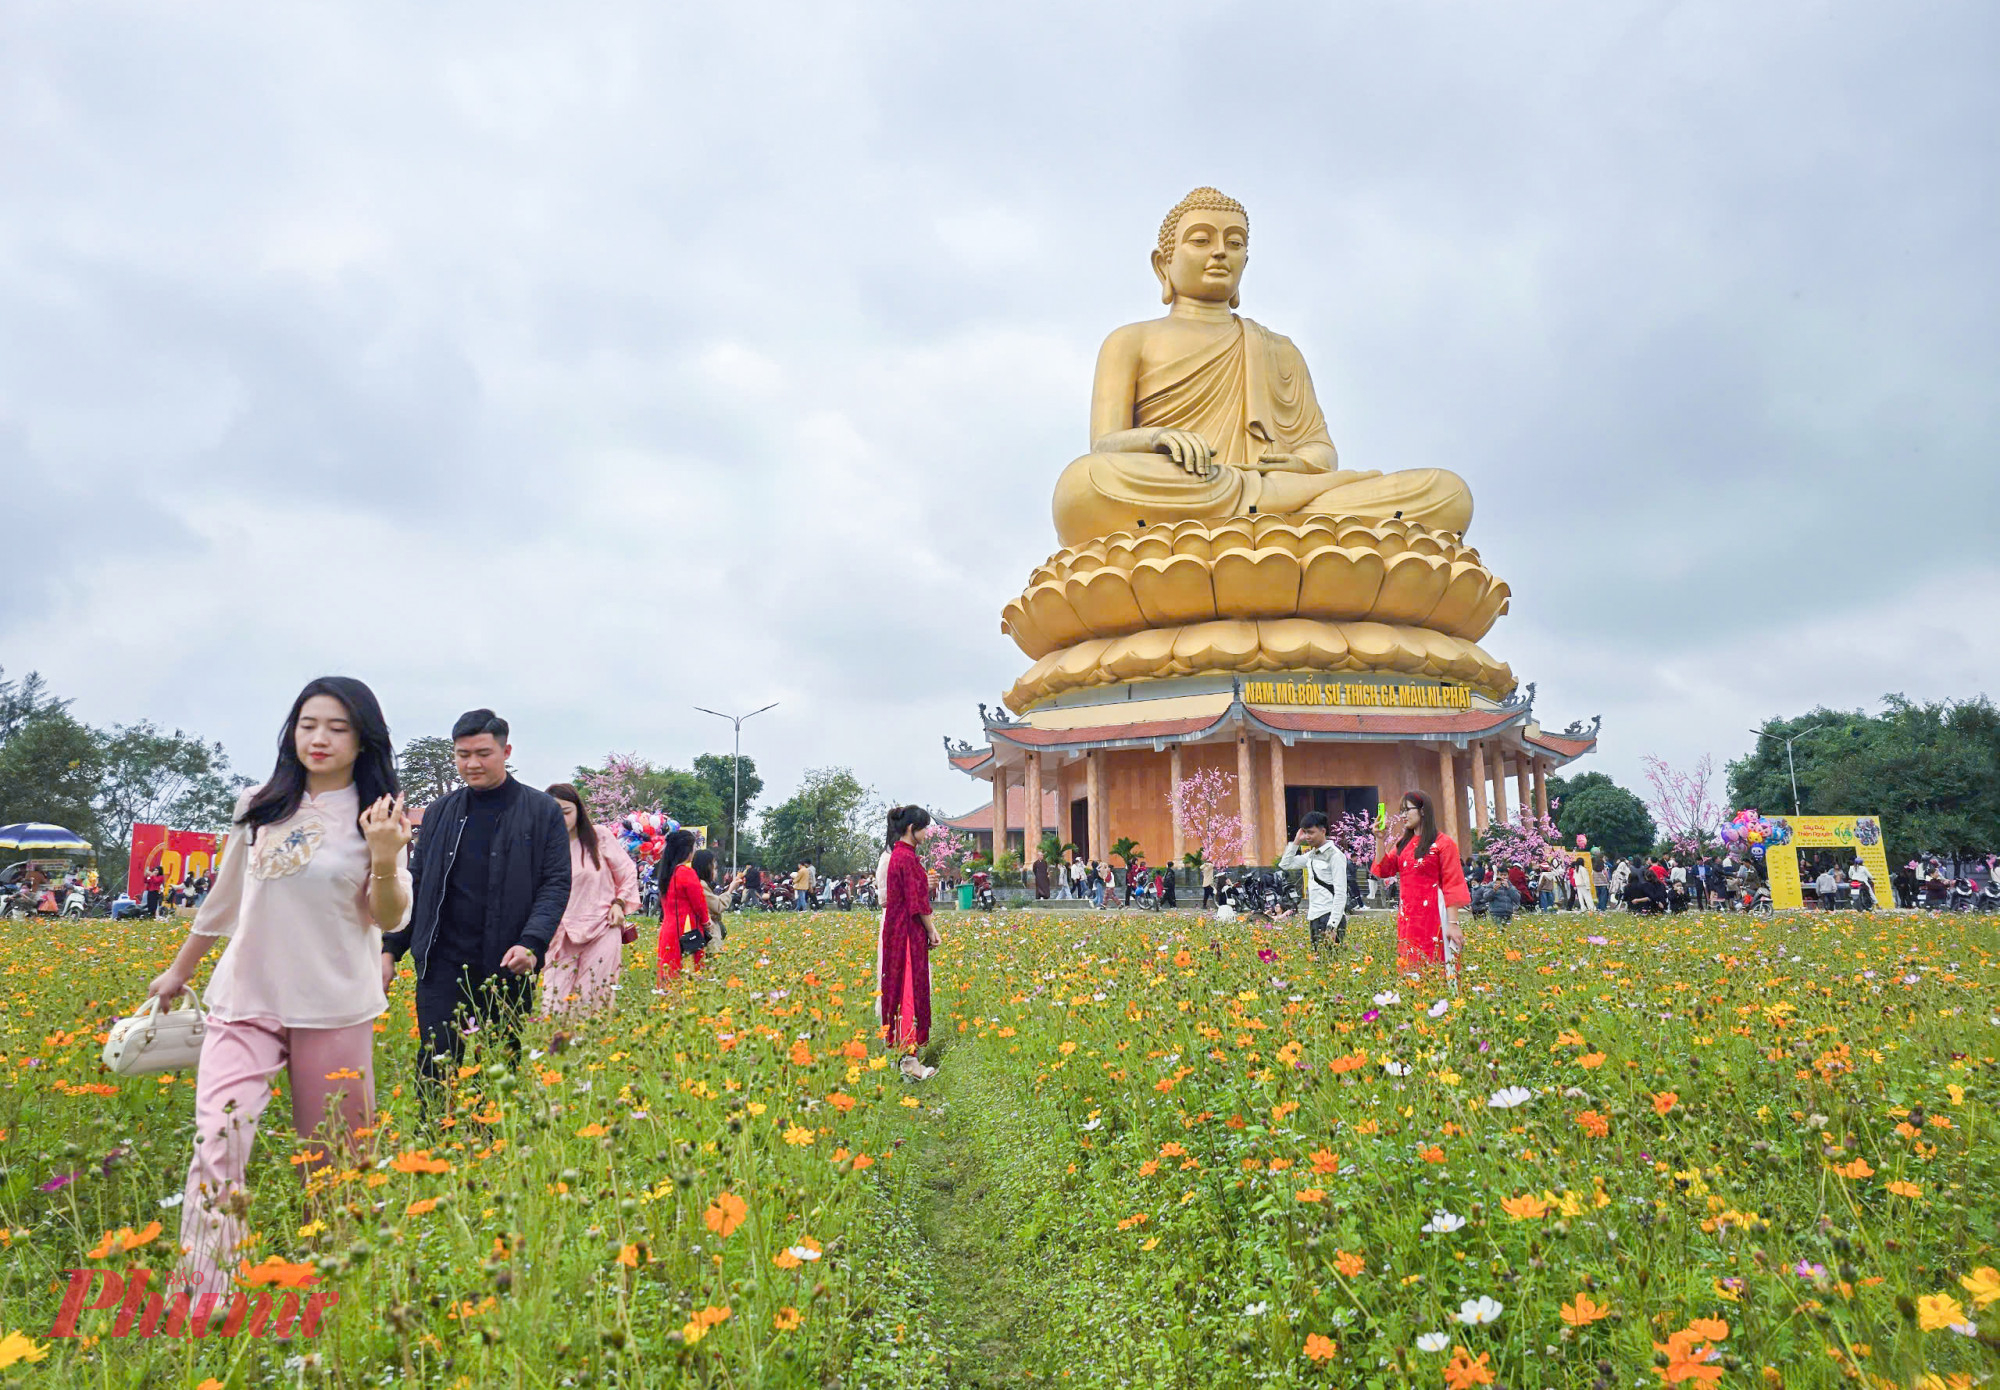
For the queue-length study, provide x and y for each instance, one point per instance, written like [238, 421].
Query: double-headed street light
[736, 773]
[1791, 767]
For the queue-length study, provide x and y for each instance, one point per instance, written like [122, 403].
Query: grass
[1159, 1152]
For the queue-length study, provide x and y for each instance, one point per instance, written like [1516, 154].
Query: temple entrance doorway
[1079, 826]
[1334, 802]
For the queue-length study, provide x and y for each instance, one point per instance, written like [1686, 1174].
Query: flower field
[1160, 1152]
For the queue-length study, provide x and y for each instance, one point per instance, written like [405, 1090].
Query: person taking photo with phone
[1430, 882]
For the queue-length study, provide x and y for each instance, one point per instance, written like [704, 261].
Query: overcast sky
[592, 362]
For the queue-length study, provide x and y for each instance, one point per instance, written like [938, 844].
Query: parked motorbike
[982, 890]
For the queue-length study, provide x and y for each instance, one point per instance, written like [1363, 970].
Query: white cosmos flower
[1395, 1068]
[1437, 1010]
[1386, 998]
[1476, 1312]
[1092, 1124]
[1443, 1223]
[1256, 1310]
[1432, 1341]
[1507, 1097]
[806, 1252]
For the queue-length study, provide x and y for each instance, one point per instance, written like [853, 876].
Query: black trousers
[456, 1000]
[1318, 927]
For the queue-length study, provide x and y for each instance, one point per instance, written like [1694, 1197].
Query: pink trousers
[581, 979]
[333, 1089]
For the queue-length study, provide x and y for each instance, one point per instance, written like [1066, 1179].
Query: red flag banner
[178, 853]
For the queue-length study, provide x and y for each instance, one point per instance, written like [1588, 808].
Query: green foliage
[1125, 850]
[50, 770]
[828, 822]
[1007, 865]
[1930, 771]
[1053, 847]
[717, 772]
[99, 783]
[426, 770]
[154, 777]
[632, 784]
[1616, 821]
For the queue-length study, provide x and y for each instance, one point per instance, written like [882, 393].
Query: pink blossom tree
[1203, 803]
[614, 791]
[1529, 840]
[943, 851]
[1688, 816]
[1354, 832]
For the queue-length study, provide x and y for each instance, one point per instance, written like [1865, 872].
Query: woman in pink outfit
[316, 865]
[1430, 882]
[580, 972]
[903, 954]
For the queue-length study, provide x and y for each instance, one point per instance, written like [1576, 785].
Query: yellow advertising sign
[1357, 694]
[1861, 834]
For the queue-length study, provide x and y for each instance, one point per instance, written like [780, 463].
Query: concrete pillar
[1524, 782]
[1000, 780]
[1448, 797]
[1094, 791]
[1500, 786]
[1277, 798]
[1246, 796]
[1479, 786]
[1031, 842]
[1541, 787]
[1174, 802]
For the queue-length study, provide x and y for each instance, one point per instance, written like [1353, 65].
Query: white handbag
[154, 1040]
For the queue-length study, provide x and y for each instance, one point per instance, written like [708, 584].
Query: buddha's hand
[1187, 449]
[1286, 463]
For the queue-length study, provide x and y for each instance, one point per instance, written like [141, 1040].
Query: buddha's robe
[1247, 394]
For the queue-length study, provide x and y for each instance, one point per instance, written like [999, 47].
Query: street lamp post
[736, 775]
[1791, 767]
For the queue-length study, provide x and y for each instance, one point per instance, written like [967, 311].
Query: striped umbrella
[33, 835]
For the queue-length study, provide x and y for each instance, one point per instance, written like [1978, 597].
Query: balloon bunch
[644, 834]
[1748, 831]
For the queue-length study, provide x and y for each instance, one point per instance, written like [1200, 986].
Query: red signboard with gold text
[179, 853]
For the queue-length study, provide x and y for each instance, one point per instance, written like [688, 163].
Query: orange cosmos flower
[275, 1271]
[1432, 1154]
[419, 1162]
[726, 1212]
[125, 1239]
[1857, 1169]
[1349, 1264]
[786, 1319]
[1591, 1061]
[1463, 1373]
[1665, 1101]
[1324, 1161]
[1593, 1124]
[420, 1208]
[1526, 1207]
[1321, 1349]
[1904, 1189]
[1311, 1194]
[1583, 1312]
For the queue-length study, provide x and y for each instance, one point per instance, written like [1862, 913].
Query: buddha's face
[1211, 247]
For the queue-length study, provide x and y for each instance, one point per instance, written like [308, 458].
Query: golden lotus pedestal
[1323, 663]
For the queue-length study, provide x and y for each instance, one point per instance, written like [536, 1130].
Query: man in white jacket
[1326, 878]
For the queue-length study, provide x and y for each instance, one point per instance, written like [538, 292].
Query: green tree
[1125, 851]
[829, 822]
[154, 777]
[1930, 771]
[1591, 804]
[716, 771]
[22, 700]
[426, 769]
[51, 767]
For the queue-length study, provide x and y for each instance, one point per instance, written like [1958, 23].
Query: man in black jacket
[491, 878]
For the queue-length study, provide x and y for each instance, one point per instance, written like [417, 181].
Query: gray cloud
[598, 365]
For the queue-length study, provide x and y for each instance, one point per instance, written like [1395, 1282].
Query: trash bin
[965, 897]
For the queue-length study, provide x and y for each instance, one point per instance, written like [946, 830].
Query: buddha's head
[1204, 244]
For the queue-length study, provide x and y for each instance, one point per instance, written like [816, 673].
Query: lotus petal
[1412, 584]
[1103, 600]
[1257, 584]
[1174, 591]
[1050, 608]
[1339, 582]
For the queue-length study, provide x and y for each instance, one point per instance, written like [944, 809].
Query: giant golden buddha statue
[1211, 528]
[1204, 414]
